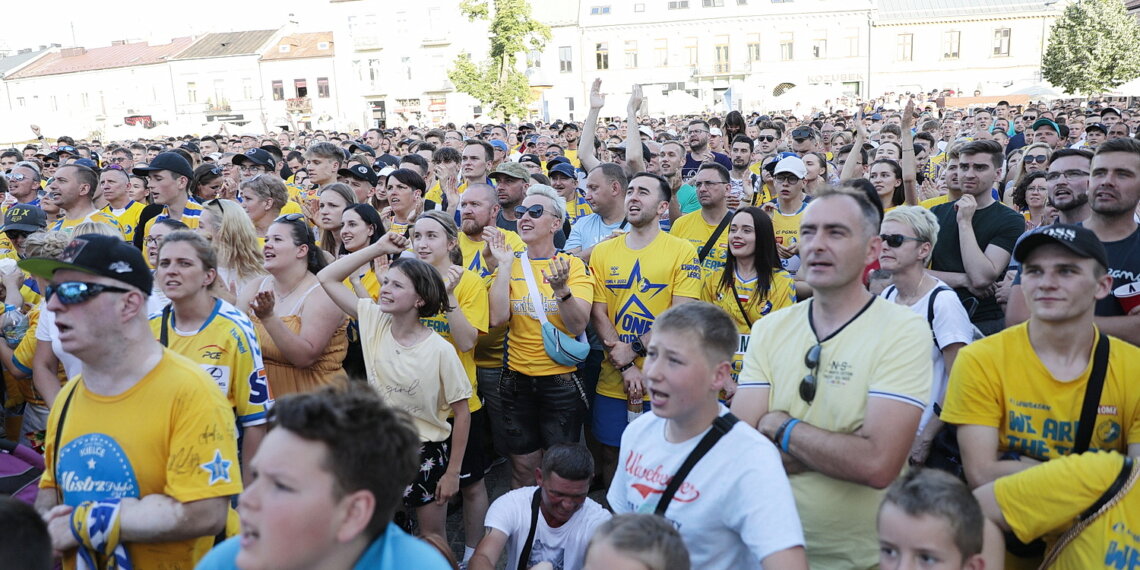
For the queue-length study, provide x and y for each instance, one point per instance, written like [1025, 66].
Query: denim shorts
[540, 411]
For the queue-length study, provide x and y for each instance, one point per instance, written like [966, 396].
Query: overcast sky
[98, 23]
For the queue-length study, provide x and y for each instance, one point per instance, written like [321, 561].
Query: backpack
[20, 470]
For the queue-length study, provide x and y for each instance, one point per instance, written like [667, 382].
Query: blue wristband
[788, 435]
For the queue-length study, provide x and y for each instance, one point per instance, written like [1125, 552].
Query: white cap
[714, 131]
[645, 130]
[386, 171]
[792, 165]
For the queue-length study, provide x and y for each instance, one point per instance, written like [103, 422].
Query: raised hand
[597, 98]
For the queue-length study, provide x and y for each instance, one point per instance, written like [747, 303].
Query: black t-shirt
[994, 224]
[691, 165]
[1124, 267]
[513, 225]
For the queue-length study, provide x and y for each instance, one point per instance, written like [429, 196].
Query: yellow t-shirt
[577, 208]
[422, 380]
[190, 214]
[526, 352]
[697, 231]
[637, 285]
[1000, 382]
[291, 207]
[128, 218]
[787, 226]
[932, 202]
[571, 154]
[172, 433]
[226, 347]
[1046, 500]
[781, 294]
[472, 297]
[858, 363]
[489, 347]
[68, 226]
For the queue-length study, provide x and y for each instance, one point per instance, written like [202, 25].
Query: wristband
[776, 437]
[621, 369]
[787, 436]
[568, 296]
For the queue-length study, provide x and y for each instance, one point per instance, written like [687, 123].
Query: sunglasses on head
[809, 383]
[896, 240]
[534, 211]
[75, 292]
[287, 217]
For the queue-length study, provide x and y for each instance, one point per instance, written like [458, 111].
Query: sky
[97, 24]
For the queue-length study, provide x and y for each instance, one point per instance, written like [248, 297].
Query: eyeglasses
[118, 159]
[787, 178]
[551, 154]
[896, 240]
[695, 131]
[1033, 158]
[534, 211]
[765, 138]
[252, 168]
[76, 292]
[289, 218]
[808, 384]
[1069, 174]
[702, 183]
[15, 176]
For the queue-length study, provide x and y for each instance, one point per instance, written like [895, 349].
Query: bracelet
[786, 440]
[568, 296]
[776, 437]
[621, 369]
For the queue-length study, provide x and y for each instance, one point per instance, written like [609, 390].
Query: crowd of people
[897, 336]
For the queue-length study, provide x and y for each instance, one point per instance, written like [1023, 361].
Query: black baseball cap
[1096, 127]
[24, 217]
[171, 161]
[386, 160]
[107, 256]
[1078, 239]
[256, 156]
[360, 172]
[354, 147]
[531, 158]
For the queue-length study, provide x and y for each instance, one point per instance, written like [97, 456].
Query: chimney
[23, 51]
[118, 42]
[72, 51]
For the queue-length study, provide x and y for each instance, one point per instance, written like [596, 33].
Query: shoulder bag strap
[930, 313]
[1092, 396]
[701, 255]
[532, 287]
[162, 334]
[624, 223]
[524, 556]
[58, 436]
[1120, 487]
[736, 296]
[721, 426]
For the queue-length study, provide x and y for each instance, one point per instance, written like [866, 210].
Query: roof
[940, 9]
[14, 61]
[300, 46]
[72, 60]
[228, 44]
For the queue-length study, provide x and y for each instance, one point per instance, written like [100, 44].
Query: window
[191, 92]
[951, 44]
[54, 103]
[599, 10]
[278, 90]
[301, 87]
[787, 46]
[21, 102]
[565, 61]
[851, 41]
[753, 47]
[741, 2]
[713, 3]
[534, 58]
[639, 7]
[819, 46]
[661, 53]
[905, 47]
[219, 91]
[323, 87]
[602, 55]
[691, 51]
[631, 54]
[246, 88]
[722, 61]
[678, 4]
[1001, 42]
[86, 101]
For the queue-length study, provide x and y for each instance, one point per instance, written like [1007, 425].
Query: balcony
[299, 105]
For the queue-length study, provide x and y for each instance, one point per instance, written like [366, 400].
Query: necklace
[291, 291]
[909, 299]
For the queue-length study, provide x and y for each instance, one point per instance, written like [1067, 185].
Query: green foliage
[497, 82]
[1092, 48]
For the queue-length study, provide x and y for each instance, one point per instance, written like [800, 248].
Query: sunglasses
[15, 176]
[51, 164]
[289, 218]
[114, 167]
[896, 240]
[118, 159]
[1035, 158]
[76, 292]
[534, 211]
[765, 138]
[809, 383]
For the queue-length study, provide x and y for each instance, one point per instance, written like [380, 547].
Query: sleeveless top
[284, 377]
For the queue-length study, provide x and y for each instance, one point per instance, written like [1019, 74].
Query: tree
[1092, 47]
[497, 82]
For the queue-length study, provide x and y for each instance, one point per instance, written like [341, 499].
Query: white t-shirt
[564, 547]
[46, 332]
[951, 325]
[733, 510]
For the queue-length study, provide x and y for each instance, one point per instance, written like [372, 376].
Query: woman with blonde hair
[234, 238]
[637, 540]
[262, 198]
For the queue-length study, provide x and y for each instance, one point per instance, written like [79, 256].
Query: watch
[638, 347]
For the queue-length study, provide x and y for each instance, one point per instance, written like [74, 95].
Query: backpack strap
[1092, 396]
[524, 556]
[930, 312]
[704, 252]
[721, 426]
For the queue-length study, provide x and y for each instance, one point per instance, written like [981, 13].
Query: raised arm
[633, 153]
[852, 166]
[908, 162]
[586, 155]
[333, 275]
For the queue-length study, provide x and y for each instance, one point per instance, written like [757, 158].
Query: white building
[218, 80]
[299, 75]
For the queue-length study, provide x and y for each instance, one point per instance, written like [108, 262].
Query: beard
[1077, 201]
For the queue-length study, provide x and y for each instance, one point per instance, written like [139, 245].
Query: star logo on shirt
[218, 468]
[91, 463]
[640, 283]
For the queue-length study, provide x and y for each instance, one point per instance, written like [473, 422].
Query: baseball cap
[1109, 111]
[647, 131]
[512, 169]
[563, 169]
[1077, 239]
[876, 116]
[171, 161]
[362, 148]
[645, 152]
[86, 162]
[802, 133]
[531, 158]
[1043, 122]
[714, 131]
[556, 161]
[386, 160]
[67, 149]
[191, 147]
[569, 127]
[792, 165]
[96, 254]
[24, 217]
[1096, 127]
[360, 172]
[500, 145]
[256, 156]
